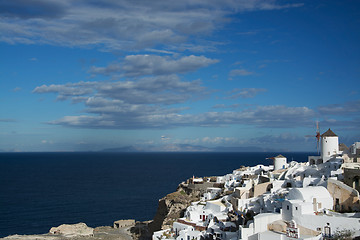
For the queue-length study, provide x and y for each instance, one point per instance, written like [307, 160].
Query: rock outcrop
[72, 230]
[31, 237]
[170, 208]
[100, 233]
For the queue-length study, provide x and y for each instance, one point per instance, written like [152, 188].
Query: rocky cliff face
[170, 208]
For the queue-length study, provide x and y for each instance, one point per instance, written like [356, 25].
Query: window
[337, 204]
[296, 208]
[356, 182]
[287, 207]
[327, 231]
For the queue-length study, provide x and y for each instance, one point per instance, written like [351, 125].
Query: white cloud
[117, 24]
[47, 142]
[233, 106]
[281, 142]
[240, 72]
[345, 115]
[347, 108]
[165, 138]
[140, 65]
[219, 140]
[245, 93]
[118, 115]
[151, 90]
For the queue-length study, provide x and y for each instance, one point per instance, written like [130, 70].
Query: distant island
[195, 148]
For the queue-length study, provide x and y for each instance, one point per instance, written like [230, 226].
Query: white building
[329, 145]
[279, 162]
[211, 193]
[309, 206]
[329, 148]
[353, 147]
[307, 200]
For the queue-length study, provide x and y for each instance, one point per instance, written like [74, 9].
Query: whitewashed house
[211, 193]
[307, 200]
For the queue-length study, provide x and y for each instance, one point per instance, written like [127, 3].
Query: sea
[42, 190]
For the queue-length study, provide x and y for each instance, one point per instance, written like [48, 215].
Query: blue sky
[177, 75]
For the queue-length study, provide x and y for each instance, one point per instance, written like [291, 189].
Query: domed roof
[308, 193]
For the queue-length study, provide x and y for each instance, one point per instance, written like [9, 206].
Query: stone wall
[345, 198]
[124, 223]
[262, 188]
[352, 177]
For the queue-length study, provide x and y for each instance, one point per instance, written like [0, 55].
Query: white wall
[158, 234]
[315, 221]
[188, 235]
[329, 147]
[354, 146]
[311, 180]
[215, 206]
[246, 232]
[177, 227]
[279, 163]
[262, 220]
[268, 235]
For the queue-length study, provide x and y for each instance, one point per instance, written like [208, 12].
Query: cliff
[170, 208]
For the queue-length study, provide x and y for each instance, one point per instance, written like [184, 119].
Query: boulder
[72, 230]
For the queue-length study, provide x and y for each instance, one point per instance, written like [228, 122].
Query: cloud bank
[112, 24]
[150, 103]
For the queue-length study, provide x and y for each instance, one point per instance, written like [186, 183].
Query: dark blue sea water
[42, 190]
